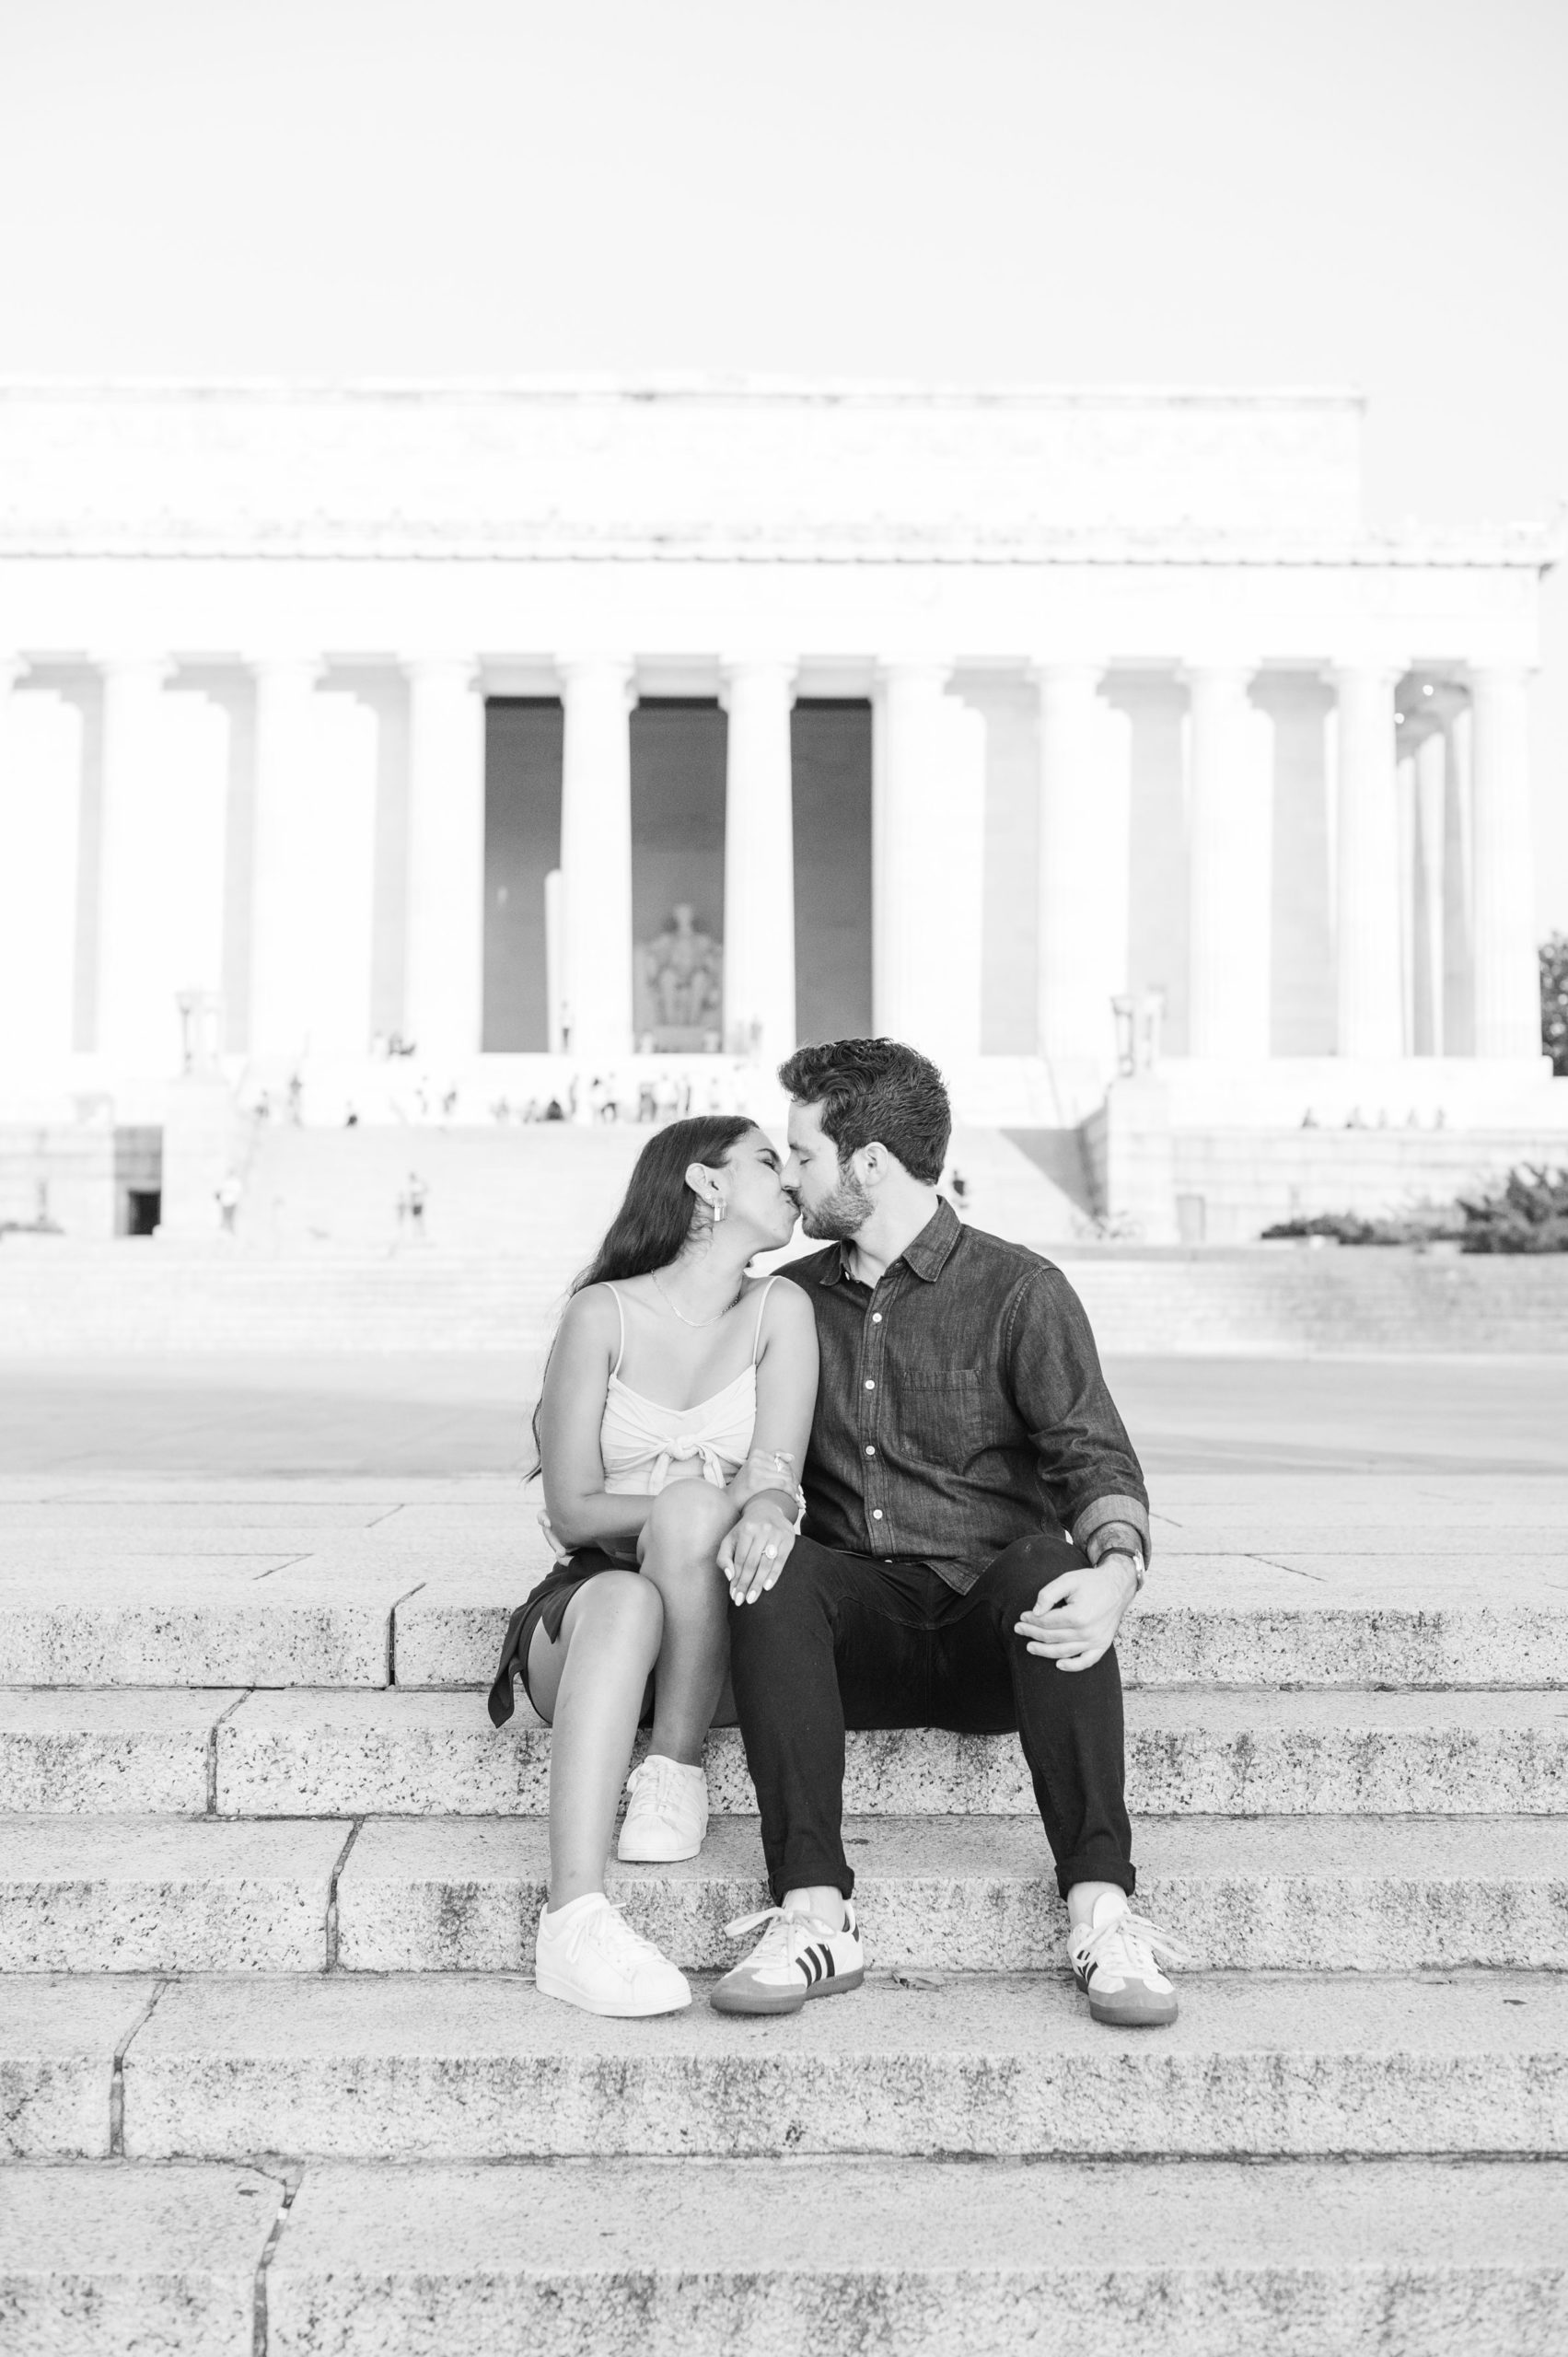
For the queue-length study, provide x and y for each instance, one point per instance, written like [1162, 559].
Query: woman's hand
[754, 1551]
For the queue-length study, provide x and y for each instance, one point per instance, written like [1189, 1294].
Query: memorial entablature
[1059, 732]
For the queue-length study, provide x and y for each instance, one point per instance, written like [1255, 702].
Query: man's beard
[839, 1215]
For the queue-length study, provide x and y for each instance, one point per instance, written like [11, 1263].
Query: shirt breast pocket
[939, 1414]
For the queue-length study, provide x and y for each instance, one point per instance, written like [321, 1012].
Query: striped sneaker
[1116, 1962]
[797, 1957]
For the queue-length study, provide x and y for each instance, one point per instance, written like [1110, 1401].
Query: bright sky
[1306, 191]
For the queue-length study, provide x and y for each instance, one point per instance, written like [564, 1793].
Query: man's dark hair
[876, 1090]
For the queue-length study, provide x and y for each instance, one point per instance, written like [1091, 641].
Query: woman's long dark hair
[654, 1224]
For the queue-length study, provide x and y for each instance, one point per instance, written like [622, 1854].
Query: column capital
[936, 670]
[134, 662]
[1053, 670]
[1378, 669]
[785, 667]
[595, 664]
[289, 662]
[464, 667]
[1517, 675]
[1222, 668]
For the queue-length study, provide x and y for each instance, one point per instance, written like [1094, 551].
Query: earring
[718, 1209]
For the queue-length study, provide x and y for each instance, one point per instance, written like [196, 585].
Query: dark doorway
[678, 752]
[144, 1210]
[831, 749]
[138, 1181]
[523, 741]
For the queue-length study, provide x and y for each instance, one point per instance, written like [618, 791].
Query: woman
[673, 1424]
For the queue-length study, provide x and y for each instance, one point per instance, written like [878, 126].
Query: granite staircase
[274, 2080]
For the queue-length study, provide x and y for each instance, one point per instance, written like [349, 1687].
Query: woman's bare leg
[589, 1686]
[679, 1551]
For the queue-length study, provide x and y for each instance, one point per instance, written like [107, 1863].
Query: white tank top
[640, 1440]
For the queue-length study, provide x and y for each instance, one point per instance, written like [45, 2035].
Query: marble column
[598, 692]
[1431, 807]
[927, 854]
[1230, 870]
[444, 970]
[759, 861]
[1367, 915]
[1508, 984]
[280, 855]
[1082, 876]
[131, 1031]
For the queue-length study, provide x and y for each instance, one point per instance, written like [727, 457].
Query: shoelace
[658, 1786]
[1146, 1946]
[625, 1949]
[786, 1936]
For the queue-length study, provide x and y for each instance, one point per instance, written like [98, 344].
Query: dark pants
[845, 1640]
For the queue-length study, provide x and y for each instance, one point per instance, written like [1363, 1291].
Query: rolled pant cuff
[1091, 1869]
[814, 1874]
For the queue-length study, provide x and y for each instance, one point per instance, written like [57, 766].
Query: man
[976, 1528]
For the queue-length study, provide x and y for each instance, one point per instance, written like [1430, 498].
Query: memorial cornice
[705, 471]
[330, 540]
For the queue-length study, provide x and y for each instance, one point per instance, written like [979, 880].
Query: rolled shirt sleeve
[1088, 1469]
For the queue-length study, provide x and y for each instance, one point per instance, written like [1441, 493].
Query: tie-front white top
[640, 1439]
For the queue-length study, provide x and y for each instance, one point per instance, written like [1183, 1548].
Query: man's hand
[1076, 1618]
[753, 1551]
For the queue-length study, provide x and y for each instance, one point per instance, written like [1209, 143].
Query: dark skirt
[548, 1604]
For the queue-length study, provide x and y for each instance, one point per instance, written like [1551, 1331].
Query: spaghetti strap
[761, 1305]
[620, 1353]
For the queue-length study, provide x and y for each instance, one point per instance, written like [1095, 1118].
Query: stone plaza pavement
[274, 2080]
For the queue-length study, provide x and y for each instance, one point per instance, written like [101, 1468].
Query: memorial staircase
[274, 2081]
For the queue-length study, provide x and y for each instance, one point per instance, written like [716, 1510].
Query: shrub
[1526, 1211]
[1424, 1224]
[1529, 1212]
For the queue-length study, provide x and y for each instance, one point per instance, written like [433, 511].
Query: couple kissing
[884, 1487]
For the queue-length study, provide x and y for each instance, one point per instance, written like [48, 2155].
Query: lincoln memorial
[1090, 740]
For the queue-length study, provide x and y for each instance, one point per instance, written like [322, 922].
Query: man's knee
[1017, 1576]
[795, 1601]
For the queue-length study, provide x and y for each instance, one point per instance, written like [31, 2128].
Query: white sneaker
[587, 1955]
[797, 1957]
[1115, 1962]
[667, 1816]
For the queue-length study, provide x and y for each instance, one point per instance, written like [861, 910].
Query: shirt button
[869, 1385]
[869, 1450]
[875, 1514]
[875, 1318]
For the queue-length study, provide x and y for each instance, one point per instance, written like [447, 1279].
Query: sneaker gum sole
[549, 1986]
[1145, 2013]
[783, 2001]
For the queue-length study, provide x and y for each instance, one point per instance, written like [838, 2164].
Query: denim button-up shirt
[960, 1407]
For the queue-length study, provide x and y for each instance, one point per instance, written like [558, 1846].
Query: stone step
[979, 1894]
[1217, 1619]
[420, 1597]
[150, 1894]
[937, 1893]
[945, 1894]
[102, 2262]
[389, 1753]
[484, 2067]
[696, 2258]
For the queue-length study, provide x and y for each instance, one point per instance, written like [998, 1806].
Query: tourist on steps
[976, 1528]
[677, 1402]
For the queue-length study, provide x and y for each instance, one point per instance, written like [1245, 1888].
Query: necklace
[697, 1321]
